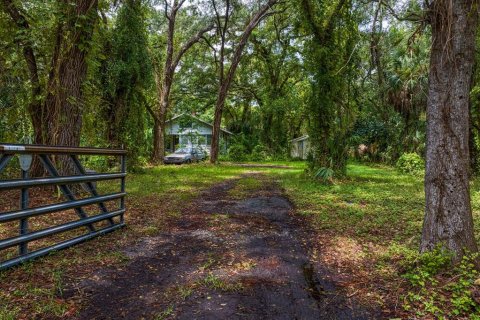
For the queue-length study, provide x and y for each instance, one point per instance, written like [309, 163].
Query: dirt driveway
[238, 252]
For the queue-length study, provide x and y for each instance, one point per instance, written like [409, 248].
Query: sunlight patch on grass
[375, 203]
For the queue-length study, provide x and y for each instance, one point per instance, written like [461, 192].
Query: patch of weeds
[28, 267]
[8, 312]
[3, 275]
[185, 291]
[43, 301]
[244, 187]
[438, 290]
[52, 307]
[120, 256]
[426, 266]
[150, 230]
[211, 261]
[217, 219]
[182, 291]
[57, 276]
[165, 314]
[462, 289]
[213, 282]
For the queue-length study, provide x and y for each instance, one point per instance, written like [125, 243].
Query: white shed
[187, 130]
[300, 147]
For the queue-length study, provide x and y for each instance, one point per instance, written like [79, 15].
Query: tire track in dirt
[237, 253]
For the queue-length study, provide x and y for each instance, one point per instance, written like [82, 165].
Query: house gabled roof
[305, 137]
[197, 119]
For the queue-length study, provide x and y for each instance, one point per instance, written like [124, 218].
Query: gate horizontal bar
[19, 183]
[59, 246]
[21, 214]
[10, 242]
[40, 149]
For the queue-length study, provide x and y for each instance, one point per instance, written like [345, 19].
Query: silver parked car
[185, 155]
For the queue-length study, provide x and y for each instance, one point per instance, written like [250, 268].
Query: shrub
[237, 152]
[427, 265]
[440, 290]
[259, 153]
[411, 163]
[325, 174]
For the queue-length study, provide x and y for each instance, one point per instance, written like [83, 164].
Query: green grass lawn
[373, 203]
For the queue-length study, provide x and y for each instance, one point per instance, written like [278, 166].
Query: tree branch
[196, 38]
[254, 21]
[150, 111]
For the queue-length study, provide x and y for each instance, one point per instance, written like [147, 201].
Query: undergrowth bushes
[411, 163]
[435, 289]
[239, 152]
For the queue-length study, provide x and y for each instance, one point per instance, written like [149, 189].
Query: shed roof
[305, 137]
[197, 119]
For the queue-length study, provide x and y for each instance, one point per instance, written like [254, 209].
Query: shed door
[300, 149]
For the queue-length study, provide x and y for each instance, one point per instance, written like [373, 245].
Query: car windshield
[184, 151]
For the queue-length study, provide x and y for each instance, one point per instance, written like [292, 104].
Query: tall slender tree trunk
[164, 79]
[158, 141]
[217, 121]
[448, 214]
[226, 81]
[159, 130]
[163, 84]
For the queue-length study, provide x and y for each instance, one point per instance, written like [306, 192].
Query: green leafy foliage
[325, 174]
[425, 266]
[331, 79]
[259, 153]
[237, 152]
[128, 73]
[411, 163]
[431, 295]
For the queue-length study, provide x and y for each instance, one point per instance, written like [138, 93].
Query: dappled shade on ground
[236, 253]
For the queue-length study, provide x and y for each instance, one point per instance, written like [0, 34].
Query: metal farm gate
[114, 217]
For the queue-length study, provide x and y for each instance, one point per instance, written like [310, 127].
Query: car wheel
[188, 161]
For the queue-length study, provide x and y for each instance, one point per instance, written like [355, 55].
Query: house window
[209, 139]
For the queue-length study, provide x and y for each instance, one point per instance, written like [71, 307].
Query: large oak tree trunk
[66, 105]
[448, 214]
[58, 121]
